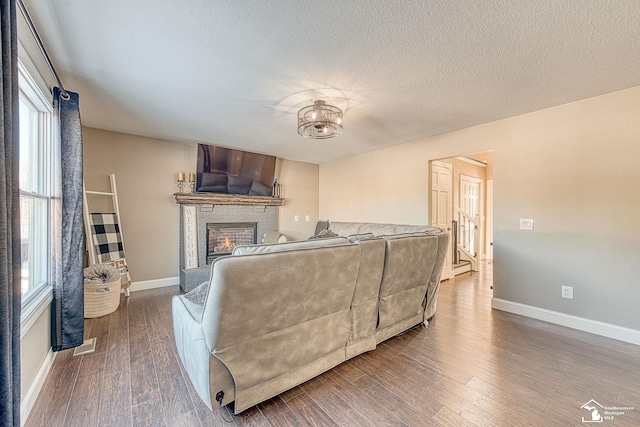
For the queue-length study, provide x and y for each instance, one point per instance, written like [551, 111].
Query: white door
[442, 205]
[470, 195]
[470, 198]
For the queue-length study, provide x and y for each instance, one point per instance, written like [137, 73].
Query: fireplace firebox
[223, 237]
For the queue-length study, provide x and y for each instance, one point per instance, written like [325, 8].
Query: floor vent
[88, 346]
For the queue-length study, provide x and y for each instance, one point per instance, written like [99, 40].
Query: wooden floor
[471, 366]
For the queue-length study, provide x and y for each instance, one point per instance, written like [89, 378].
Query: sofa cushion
[403, 235]
[288, 246]
[435, 231]
[324, 234]
[321, 225]
[344, 228]
[273, 236]
[415, 229]
[360, 237]
[350, 228]
[377, 229]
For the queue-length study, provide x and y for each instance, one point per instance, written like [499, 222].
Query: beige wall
[146, 170]
[486, 157]
[381, 186]
[572, 168]
[34, 348]
[300, 189]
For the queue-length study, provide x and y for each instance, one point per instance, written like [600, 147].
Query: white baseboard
[580, 323]
[143, 285]
[29, 399]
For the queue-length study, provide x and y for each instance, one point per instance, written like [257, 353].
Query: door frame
[488, 233]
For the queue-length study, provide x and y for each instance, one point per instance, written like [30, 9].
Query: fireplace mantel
[226, 199]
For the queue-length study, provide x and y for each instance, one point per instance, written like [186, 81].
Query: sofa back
[408, 265]
[349, 228]
[364, 307]
[288, 246]
[431, 302]
[262, 309]
[408, 290]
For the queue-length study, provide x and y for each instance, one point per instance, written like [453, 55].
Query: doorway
[461, 201]
[471, 204]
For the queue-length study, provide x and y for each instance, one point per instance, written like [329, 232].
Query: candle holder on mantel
[192, 182]
[180, 181]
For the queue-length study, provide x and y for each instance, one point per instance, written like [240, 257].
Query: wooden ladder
[120, 264]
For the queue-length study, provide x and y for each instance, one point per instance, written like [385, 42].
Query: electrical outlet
[296, 218]
[306, 218]
[526, 224]
[567, 292]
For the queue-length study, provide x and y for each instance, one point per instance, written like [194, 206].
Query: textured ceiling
[234, 73]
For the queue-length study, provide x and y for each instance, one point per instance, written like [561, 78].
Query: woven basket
[101, 299]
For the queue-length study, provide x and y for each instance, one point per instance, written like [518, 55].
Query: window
[35, 186]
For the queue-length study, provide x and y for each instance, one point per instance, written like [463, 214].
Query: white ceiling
[235, 73]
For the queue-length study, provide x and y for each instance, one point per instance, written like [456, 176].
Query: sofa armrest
[191, 345]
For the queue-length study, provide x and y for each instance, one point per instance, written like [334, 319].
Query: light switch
[526, 224]
[295, 218]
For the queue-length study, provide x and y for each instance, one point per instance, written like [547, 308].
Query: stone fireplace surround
[266, 218]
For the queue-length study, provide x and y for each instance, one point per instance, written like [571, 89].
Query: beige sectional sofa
[274, 316]
[397, 231]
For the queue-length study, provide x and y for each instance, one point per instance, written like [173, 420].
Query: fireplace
[195, 264]
[223, 237]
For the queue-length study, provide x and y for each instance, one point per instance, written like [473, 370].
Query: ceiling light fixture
[320, 121]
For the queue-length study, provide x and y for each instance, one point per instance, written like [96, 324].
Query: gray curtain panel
[10, 296]
[68, 230]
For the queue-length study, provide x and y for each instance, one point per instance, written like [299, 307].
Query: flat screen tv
[227, 171]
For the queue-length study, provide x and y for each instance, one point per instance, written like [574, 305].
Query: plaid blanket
[106, 237]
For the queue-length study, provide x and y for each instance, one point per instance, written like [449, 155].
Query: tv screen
[223, 170]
